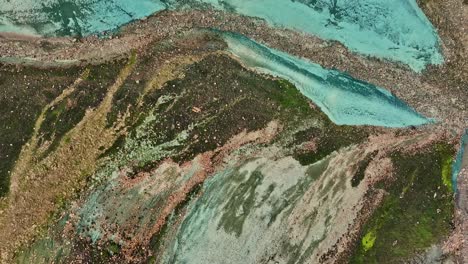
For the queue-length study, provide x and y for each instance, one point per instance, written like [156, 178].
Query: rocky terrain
[177, 144]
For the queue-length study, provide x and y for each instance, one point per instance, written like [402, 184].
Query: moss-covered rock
[417, 211]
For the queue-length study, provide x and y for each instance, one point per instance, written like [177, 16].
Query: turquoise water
[457, 165]
[79, 17]
[395, 30]
[345, 100]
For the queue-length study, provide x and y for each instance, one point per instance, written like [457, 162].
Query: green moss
[447, 172]
[447, 161]
[415, 214]
[368, 240]
[290, 98]
[133, 57]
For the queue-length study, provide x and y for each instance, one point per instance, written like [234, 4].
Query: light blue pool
[72, 17]
[345, 100]
[395, 30]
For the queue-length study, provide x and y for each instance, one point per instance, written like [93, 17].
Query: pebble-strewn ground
[160, 145]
